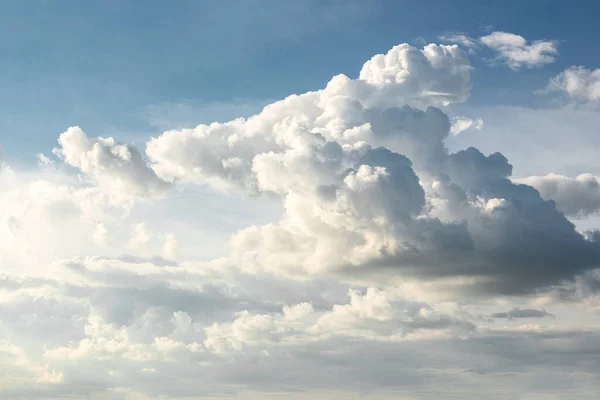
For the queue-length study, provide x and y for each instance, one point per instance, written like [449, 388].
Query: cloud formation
[381, 275]
[522, 313]
[118, 168]
[511, 49]
[461, 124]
[578, 84]
[462, 39]
[516, 52]
[369, 187]
[577, 197]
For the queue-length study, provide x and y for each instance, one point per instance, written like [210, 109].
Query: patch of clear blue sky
[99, 64]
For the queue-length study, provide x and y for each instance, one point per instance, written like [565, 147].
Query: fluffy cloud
[222, 154]
[513, 50]
[380, 276]
[579, 84]
[47, 217]
[577, 197]
[105, 341]
[118, 168]
[516, 52]
[370, 189]
[375, 314]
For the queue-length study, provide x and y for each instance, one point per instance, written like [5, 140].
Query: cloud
[512, 49]
[140, 235]
[436, 75]
[540, 132]
[375, 314]
[380, 276]
[516, 52]
[23, 367]
[461, 124]
[578, 84]
[370, 189]
[119, 168]
[471, 44]
[577, 197]
[221, 154]
[522, 313]
[105, 341]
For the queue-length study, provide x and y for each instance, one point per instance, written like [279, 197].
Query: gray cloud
[522, 313]
[577, 197]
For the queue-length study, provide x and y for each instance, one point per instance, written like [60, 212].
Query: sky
[299, 199]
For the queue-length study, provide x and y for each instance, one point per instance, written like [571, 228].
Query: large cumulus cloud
[369, 186]
[363, 284]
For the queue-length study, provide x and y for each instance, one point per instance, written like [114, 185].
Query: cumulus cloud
[579, 84]
[389, 244]
[105, 341]
[375, 314]
[119, 168]
[369, 187]
[516, 52]
[222, 154]
[577, 197]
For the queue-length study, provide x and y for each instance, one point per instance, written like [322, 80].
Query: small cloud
[461, 124]
[43, 160]
[420, 40]
[461, 39]
[515, 51]
[579, 84]
[522, 313]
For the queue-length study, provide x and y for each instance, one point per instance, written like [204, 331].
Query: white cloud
[120, 169]
[461, 39]
[222, 154]
[351, 207]
[376, 314]
[579, 84]
[461, 124]
[105, 341]
[516, 52]
[512, 49]
[390, 267]
[24, 367]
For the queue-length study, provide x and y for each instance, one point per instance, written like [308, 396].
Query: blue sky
[263, 199]
[100, 64]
